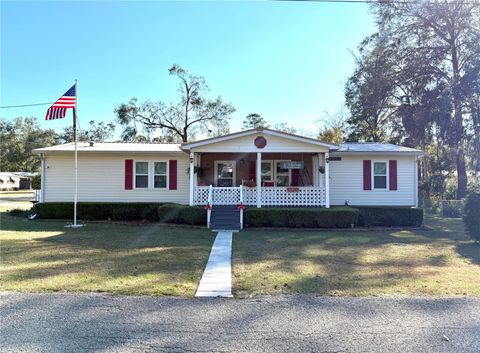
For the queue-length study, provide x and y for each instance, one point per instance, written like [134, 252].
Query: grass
[149, 259]
[439, 261]
[38, 256]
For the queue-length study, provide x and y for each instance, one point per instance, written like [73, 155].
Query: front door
[225, 172]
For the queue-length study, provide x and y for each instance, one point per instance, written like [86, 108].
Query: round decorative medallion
[260, 142]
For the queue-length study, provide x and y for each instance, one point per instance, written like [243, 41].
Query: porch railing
[270, 196]
[293, 196]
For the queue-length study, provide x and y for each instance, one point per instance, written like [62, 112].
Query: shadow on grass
[102, 257]
[355, 263]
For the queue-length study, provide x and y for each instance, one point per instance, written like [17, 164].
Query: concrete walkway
[217, 278]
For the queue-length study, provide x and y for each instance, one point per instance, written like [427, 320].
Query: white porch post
[192, 176]
[415, 193]
[327, 180]
[259, 179]
[315, 172]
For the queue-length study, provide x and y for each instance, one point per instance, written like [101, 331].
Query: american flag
[59, 108]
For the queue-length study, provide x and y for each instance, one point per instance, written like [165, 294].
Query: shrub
[452, 208]
[18, 212]
[54, 210]
[37, 182]
[472, 214]
[386, 216]
[336, 217]
[120, 211]
[174, 213]
[150, 213]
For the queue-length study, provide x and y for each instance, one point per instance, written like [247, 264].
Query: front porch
[259, 167]
[259, 179]
[269, 196]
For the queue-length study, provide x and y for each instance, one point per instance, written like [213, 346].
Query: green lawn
[145, 259]
[440, 261]
[157, 260]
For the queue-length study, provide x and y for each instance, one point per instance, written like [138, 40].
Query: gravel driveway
[104, 323]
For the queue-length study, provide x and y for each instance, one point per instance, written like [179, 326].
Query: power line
[378, 1]
[334, 1]
[25, 105]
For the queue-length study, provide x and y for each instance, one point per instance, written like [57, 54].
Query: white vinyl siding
[346, 182]
[109, 186]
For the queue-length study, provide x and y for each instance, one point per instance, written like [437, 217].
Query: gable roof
[112, 147]
[375, 147]
[187, 146]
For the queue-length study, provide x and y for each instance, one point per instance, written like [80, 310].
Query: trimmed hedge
[337, 217]
[118, 211]
[180, 214]
[472, 214]
[389, 216]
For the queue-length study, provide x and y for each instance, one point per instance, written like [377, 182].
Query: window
[225, 173]
[282, 175]
[379, 175]
[267, 171]
[141, 175]
[160, 174]
[151, 175]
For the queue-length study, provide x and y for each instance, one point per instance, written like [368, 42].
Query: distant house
[16, 180]
[259, 167]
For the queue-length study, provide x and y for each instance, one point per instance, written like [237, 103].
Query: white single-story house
[16, 180]
[258, 167]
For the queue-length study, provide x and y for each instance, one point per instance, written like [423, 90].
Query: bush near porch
[337, 217]
[94, 211]
[180, 214]
[295, 217]
[389, 216]
[122, 211]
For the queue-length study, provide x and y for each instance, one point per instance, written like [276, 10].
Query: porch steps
[225, 217]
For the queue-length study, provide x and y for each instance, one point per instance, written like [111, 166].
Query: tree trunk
[185, 135]
[461, 174]
[424, 174]
[457, 125]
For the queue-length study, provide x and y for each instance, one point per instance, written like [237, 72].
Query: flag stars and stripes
[59, 109]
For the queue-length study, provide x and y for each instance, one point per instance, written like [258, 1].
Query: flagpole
[76, 159]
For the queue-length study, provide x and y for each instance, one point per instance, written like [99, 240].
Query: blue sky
[286, 61]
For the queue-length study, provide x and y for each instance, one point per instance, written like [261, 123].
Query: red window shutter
[392, 171]
[128, 174]
[172, 170]
[367, 175]
[252, 170]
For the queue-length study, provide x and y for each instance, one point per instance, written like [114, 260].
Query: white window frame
[275, 174]
[135, 174]
[151, 174]
[387, 176]
[167, 171]
[234, 174]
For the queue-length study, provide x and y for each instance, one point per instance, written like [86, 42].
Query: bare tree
[192, 114]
